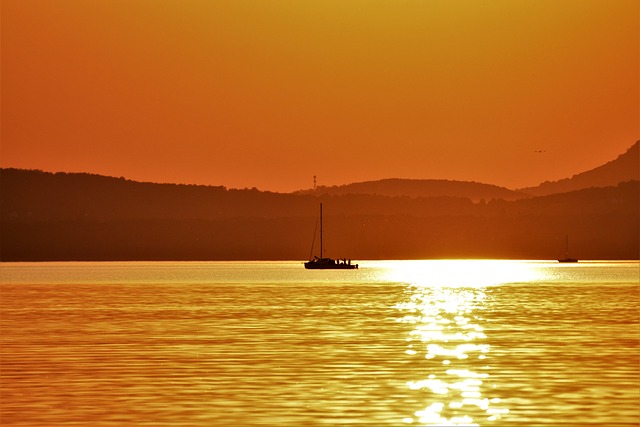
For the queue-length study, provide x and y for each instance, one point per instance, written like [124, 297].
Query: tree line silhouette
[65, 216]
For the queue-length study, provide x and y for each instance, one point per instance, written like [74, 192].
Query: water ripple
[223, 345]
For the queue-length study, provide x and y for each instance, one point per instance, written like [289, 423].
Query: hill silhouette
[395, 187]
[64, 216]
[624, 168]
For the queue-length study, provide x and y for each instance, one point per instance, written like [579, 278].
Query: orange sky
[268, 93]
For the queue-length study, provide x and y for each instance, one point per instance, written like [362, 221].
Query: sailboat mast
[321, 255]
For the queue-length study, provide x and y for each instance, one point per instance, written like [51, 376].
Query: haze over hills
[61, 216]
[395, 187]
[624, 168]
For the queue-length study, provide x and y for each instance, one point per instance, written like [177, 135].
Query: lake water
[413, 343]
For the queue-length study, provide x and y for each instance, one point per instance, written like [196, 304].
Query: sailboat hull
[329, 264]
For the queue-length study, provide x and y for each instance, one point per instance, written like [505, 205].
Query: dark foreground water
[504, 343]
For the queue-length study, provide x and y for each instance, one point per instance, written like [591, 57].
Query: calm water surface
[414, 343]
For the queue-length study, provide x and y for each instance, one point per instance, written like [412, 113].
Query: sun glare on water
[444, 304]
[459, 273]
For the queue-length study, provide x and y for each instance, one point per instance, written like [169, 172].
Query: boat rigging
[324, 263]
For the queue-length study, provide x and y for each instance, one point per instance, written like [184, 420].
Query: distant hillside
[32, 195]
[59, 216]
[36, 195]
[625, 168]
[394, 187]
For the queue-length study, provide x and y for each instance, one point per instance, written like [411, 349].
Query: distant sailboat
[321, 263]
[566, 254]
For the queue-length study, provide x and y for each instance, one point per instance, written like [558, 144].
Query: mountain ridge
[61, 216]
[625, 167]
[400, 187]
[47, 217]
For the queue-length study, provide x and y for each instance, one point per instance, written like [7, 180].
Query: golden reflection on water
[444, 304]
[461, 273]
[429, 343]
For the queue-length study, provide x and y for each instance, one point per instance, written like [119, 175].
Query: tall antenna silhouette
[314, 183]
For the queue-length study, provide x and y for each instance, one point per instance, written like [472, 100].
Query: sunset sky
[269, 93]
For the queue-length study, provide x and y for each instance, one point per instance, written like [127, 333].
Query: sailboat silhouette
[322, 263]
[567, 258]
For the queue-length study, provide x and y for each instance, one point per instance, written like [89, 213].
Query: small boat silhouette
[567, 258]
